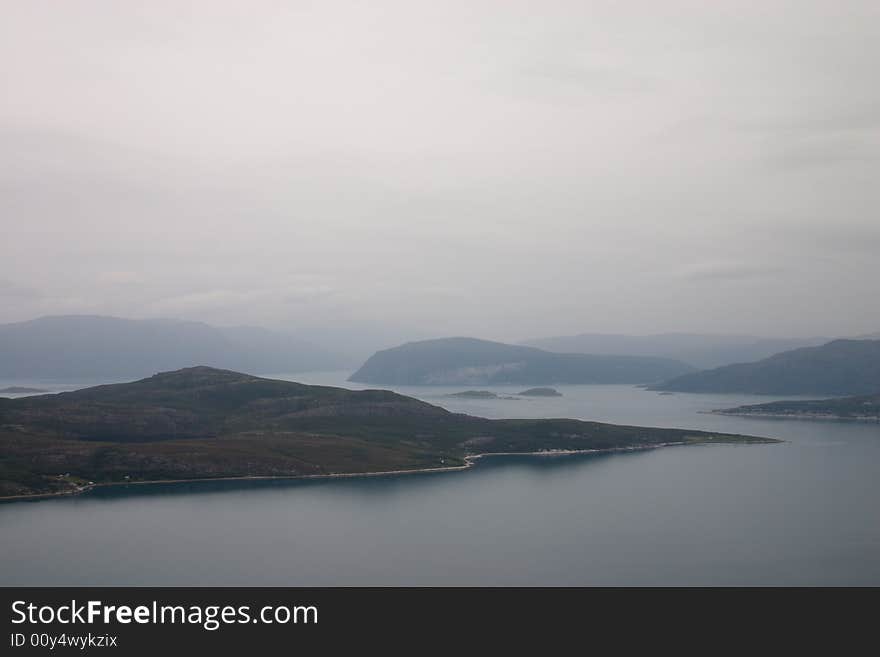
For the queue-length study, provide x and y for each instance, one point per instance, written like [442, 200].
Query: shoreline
[801, 416]
[468, 464]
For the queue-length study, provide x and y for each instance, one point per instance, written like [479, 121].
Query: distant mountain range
[864, 407]
[700, 350]
[86, 347]
[840, 367]
[468, 361]
[201, 422]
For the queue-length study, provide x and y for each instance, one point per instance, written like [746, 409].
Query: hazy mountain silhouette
[840, 367]
[701, 350]
[459, 361]
[85, 347]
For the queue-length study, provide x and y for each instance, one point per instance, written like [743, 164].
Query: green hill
[202, 423]
[840, 367]
[468, 361]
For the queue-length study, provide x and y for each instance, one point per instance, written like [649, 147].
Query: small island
[19, 390]
[202, 423]
[541, 392]
[479, 394]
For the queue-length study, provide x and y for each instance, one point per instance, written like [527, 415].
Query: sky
[499, 169]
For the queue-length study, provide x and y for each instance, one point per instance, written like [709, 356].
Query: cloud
[824, 151]
[121, 277]
[16, 291]
[729, 271]
[307, 293]
[565, 80]
[207, 301]
[817, 121]
[456, 165]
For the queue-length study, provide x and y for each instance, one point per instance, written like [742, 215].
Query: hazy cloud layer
[501, 169]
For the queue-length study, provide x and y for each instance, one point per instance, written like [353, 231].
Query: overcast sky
[498, 169]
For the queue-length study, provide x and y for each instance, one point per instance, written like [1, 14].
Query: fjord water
[803, 512]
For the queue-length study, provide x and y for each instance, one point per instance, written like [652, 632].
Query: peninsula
[865, 407]
[204, 423]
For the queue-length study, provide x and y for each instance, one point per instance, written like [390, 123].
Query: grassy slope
[202, 422]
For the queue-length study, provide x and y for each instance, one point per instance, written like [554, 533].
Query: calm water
[799, 513]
